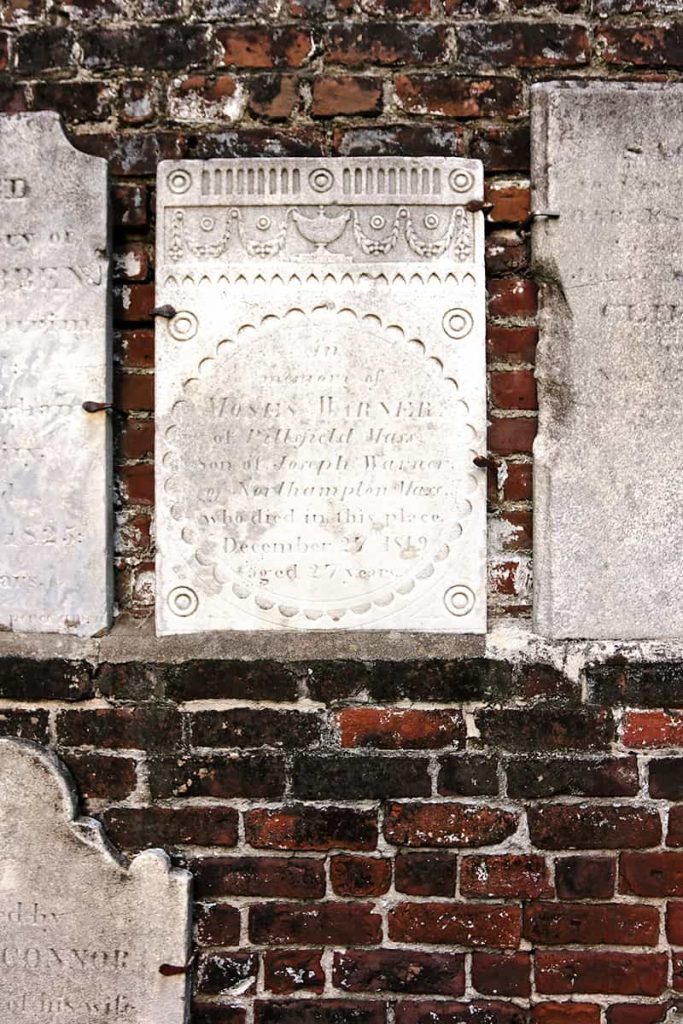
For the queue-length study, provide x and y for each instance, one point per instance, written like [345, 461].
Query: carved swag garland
[322, 230]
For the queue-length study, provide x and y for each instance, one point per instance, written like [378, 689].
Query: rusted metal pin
[475, 205]
[97, 406]
[169, 970]
[167, 312]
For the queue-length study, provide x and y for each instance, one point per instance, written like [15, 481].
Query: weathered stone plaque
[82, 937]
[320, 395]
[608, 537]
[55, 479]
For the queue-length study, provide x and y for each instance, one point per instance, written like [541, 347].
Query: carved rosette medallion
[320, 396]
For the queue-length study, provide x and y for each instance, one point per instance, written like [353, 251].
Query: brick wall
[426, 842]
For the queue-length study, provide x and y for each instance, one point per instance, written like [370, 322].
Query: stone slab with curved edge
[55, 355]
[82, 935]
[320, 395]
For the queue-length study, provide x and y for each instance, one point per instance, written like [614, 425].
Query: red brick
[138, 102]
[468, 775]
[518, 484]
[385, 43]
[399, 140]
[312, 1011]
[591, 827]
[510, 203]
[677, 972]
[25, 725]
[506, 252]
[131, 262]
[627, 974]
[590, 924]
[135, 828]
[134, 392]
[311, 828]
[460, 924]
[39, 49]
[359, 776]
[651, 874]
[512, 436]
[523, 44]
[393, 729]
[217, 1013]
[502, 974]
[166, 46]
[642, 729]
[447, 824]
[512, 297]
[542, 727]
[579, 878]
[513, 389]
[643, 45]
[136, 439]
[217, 974]
[447, 1012]
[77, 101]
[13, 98]
[565, 1013]
[217, 924]
[344, 95]
[360, 876]
[255, 776]
[133, 302]
[543, 776]
[261, 47]
[133, 153]
[425, 874]
[399, 970]
[637, 1013]
[137, 483]
[674, 923]
[502, 147]
[130, 204]
[255, 727]
[665, 777]
[395, 8]
[314, 924]
[293, 970]
[143, 727]
[516, 876]
[274, 97]
[136, 347]
[287, 877]
[102, 776]
[452, 96]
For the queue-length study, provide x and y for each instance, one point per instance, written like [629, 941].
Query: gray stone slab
[608, 488]
[55, 477]
[320, 396]
[82, 936]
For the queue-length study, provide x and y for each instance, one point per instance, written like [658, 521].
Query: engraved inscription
[320, 396]
[54, 534]
[81, 936]
[348, 484]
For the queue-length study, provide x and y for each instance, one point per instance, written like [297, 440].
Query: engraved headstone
[320, 395]
[55, 477]
[82, 936]
[607, 178]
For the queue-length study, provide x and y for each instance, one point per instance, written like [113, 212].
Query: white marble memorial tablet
[320, 395]
[607, 177]
[55, 477]
[82, 936]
